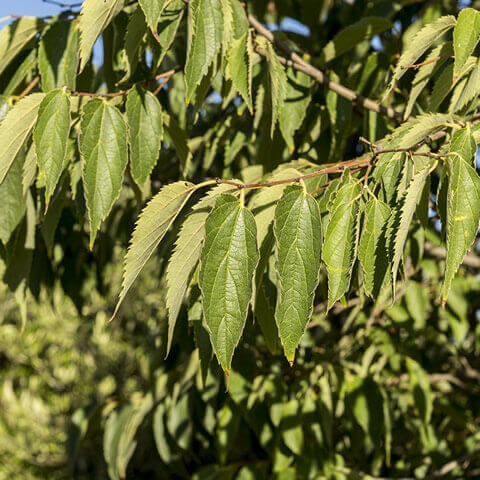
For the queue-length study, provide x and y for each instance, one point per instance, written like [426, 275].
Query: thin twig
[29, 88]
[426, 62]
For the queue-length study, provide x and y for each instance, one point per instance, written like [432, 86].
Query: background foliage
[191, 95]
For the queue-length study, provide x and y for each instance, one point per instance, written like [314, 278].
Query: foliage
[298, 296]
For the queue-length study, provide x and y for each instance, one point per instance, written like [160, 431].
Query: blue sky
[28, 7]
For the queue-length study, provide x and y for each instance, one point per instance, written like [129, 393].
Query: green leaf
[463, 215]
[152, 10]
[51, 136]
[278, 85]
[294, 109]
[465, 37]
[239, 60]
[94, 18]
[15, 37]
[341, 238]
[372, 251]
[12, 199]
[403, 218]
[103, 146]
[58, 55]
[136, 30]
[471, 89]
[298, 243]
[145, 129]
[24, 73]
[463, 143]
[351, 36]
[178, 138]
[152, 225]
[420, 43]
[421, 389]
[186, 255]
[16, 128]
[227, 265]
[205, 27]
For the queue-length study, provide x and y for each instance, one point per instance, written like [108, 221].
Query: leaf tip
[290, 358]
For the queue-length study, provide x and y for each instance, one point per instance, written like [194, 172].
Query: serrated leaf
[15, 129]
[463, 143]
[239, 60]
[186, 255]
[51, 136]
[152, 225]
[420, 43]
[58, 55]
[465, 37]
[372, 251]
[278, 85]
[94, 18]
[404, 216]
[352, 35]
[104, 150]
[205, 28]
[228, 260]
[145, 129]
[294, 108]
[463, 215]
[136, 30]
[471, 89]
[340, 245]
[15, 37]
[152, 10]
[298, 244]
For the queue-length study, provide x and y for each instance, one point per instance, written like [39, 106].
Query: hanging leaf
[58, 55]
[341, 239]
[228, 260]
[463, 215]
[372, 249]
[298, 243]
[152, 10]
[278, 85]
[51, 136]
[471, 89]
[136, 32]
[94, 18]
[152, 225]
[145, 130]
[205, 27]
[103, 146]
[463, 144]
[15, 129]
[465, 37]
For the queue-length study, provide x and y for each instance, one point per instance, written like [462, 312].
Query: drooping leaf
[465, 37]
[205, 27]
[463, 144]
[15, 129]
[58, 55]
[178, 138]
[463, 215]
[24, 73]
[15, 37]
[50, 136]
[341, 239]
[298, 244]
[372, 251]
[145, 129]
[470, 91]
[103, 146]
[278, 85]
[228, 260]
[136, 32]
[351, 36]
[235, 22]
[152, 225]
[94, 18]
[152, 10]
[186, 255]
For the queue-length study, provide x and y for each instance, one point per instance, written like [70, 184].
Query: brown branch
[295, 61]
[379, 149]
[426, 62]
[29, 88]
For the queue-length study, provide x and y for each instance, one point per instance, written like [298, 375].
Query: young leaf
[278, 85]
[50, 136]
[227, 264]
[240, 67]
[103, 146]
[205, 27]
[94, 18]
[152, 10]
[298, 241]
[15, 37]
[152, 225]
[341, 239]
[186, 254]
[145, 129]
[465, 37]
[58, 55]
[463, 215]
[15, 129]
[403, 218]
[372, 251]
